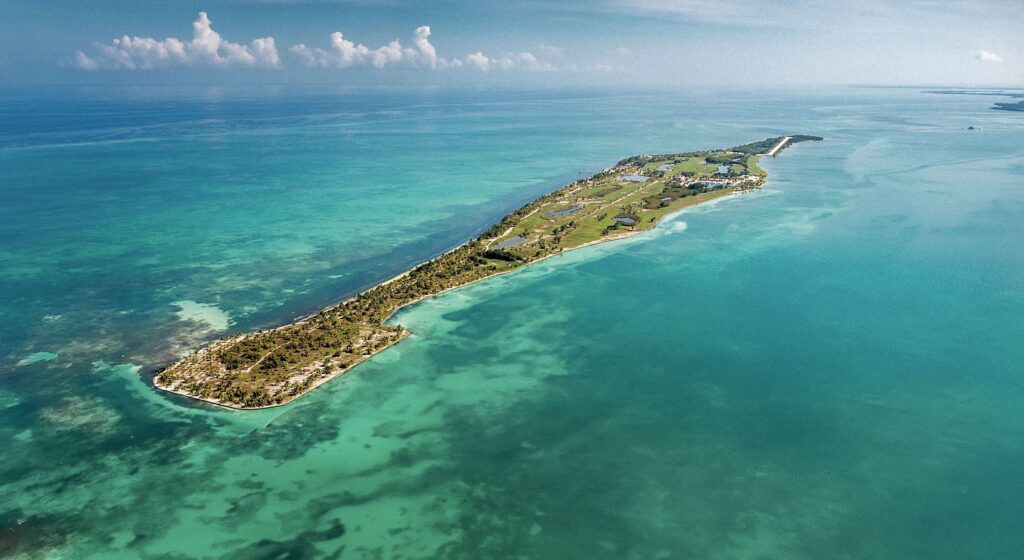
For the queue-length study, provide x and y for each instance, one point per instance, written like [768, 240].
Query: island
[272, 367]
[1018, 106]
[1001, 106]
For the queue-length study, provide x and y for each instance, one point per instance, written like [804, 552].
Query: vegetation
[268, 368]
[1018, 106]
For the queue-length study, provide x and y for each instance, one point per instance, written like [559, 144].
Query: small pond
[510, 242]
[563, 212]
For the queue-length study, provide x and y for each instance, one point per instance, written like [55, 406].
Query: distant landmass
[1004, 106]
[1018, 106]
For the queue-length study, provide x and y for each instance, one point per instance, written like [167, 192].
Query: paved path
[780, 145]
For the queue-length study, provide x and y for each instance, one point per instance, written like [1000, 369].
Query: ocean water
[828, 368]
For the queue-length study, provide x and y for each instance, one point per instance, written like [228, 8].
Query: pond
[510, 242]
[563, 212]
[635, 178]
[664, 168]
[710, 185]
[625, 220]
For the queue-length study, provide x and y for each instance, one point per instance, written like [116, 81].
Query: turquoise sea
[832, 367]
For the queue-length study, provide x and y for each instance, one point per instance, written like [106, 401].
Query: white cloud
[479, 60]
[207, 48]
[525, 61]
[342, 53]
[345, 54]
[986, 56]
[509, 61]
[724, 11]
[427, 51]
[392, 52]
[592, 68]
[548, 50]
[822, 15]
[83, 61]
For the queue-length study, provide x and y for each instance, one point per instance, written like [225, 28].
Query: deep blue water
[827, 368]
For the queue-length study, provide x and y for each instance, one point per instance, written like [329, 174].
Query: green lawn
[755, 169]
[694, 166]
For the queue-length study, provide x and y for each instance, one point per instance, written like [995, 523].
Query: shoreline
[406, 334]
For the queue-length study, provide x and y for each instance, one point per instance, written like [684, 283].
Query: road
[779, 146]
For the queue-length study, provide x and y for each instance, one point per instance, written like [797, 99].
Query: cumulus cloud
[524, 61]
[83, 61]
[986, 56]
[479, 61]
[509, 61]
[426, 50]
[343, 53]
[207, 48]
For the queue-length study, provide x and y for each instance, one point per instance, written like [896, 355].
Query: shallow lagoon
[837, 388]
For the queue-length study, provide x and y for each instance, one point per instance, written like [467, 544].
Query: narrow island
[272, 367]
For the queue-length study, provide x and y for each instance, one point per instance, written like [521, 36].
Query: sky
[513, 42]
